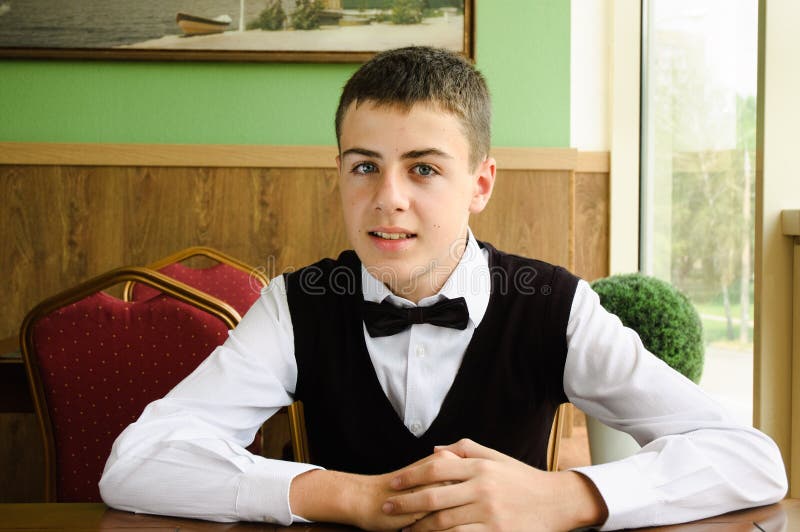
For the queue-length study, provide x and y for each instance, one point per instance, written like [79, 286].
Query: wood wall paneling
[21, 458]
[592, 215]
[528, 215]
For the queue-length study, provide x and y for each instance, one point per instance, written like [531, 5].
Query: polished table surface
[782, 517]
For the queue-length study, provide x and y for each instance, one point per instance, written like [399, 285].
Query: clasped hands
[461, 487]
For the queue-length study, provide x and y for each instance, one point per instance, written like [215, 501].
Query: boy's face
[407, 192]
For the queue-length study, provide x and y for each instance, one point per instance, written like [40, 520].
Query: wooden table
[784, 516]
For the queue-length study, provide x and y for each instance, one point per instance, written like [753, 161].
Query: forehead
[379, 122]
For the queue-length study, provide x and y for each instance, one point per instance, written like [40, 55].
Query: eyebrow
[362, 151]
[416, 154]
[413, 154]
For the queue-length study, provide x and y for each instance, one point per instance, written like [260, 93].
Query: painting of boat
[194, 25]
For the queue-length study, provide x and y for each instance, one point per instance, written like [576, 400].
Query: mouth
[392, 236]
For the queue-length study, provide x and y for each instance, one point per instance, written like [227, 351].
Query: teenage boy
[485, 347]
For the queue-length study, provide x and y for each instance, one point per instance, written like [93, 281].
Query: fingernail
[387, 507]
[395, 482]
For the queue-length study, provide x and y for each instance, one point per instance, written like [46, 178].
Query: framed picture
[231, 30]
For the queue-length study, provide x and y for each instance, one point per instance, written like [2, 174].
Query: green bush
[664, 318]
[407, 12]
[271, 18]
[307, 14]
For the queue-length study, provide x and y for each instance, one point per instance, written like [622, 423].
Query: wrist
[588, 508]
[320, 495]
[332, 496]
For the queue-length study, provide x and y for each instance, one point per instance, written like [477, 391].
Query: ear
[339, 164]
[484, 184]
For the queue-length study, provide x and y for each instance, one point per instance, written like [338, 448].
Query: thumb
[466, 448]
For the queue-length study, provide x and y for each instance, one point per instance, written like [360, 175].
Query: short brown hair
[419, 74]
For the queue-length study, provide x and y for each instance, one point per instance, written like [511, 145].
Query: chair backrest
[231, 280]
[94, 362]
[556, 432]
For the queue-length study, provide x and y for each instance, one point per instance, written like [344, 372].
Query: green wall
[522, 48]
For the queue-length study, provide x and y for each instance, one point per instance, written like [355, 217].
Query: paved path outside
[728, 377]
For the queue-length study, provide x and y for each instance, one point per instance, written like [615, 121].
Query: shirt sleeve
[695, 461]
[185, 454]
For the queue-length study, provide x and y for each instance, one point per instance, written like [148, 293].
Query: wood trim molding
[536, 158]
[252, 156]
[594, 161]
[192, 155]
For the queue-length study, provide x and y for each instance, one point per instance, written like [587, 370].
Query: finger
[441, 452]
[433, 471]
[437, 453]
[466, 448]
[472, 527]
[460, 518]
[430, 499]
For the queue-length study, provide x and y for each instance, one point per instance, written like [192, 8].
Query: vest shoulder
[339, 275]
[541, 270]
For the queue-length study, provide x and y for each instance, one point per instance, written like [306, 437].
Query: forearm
[690, 476]
[205, 479]
[357, 500]
[696, 461]
[323, 495]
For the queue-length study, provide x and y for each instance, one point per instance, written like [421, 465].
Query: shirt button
[420, 351]
[416, 427]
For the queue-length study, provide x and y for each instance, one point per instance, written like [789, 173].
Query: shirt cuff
[264, 492]
[629, 498]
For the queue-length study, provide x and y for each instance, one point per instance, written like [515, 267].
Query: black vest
[504, 395]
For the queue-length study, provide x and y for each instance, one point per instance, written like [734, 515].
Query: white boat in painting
[5, 8]
[194, 25]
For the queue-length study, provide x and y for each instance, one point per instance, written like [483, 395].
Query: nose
[391, 194]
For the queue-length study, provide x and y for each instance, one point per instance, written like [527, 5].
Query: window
[699, 62]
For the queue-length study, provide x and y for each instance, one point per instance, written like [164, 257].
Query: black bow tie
[384, 319]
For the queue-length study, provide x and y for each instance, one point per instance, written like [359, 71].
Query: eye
[425, 170]
[364, 168]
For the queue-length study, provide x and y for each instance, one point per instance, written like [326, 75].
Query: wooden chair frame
[556, 432]
[197, 251]
[164, 284]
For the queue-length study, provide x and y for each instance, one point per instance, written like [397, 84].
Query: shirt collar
[470, 280]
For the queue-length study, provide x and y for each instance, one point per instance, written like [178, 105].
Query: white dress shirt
[185, 455]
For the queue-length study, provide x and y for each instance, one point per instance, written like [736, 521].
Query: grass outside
[715, 329]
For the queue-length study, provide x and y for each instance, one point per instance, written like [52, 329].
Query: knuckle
[400, 481]
[436, 469]
[429, 499]
[483, 467]
[483, 491]
[402, 504]
[493, 507]
[440, 521]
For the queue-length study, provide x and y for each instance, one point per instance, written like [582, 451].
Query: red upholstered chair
[94, 362]
[239, 285]
[230, 280]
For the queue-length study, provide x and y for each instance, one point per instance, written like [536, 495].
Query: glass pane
[698, 173]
